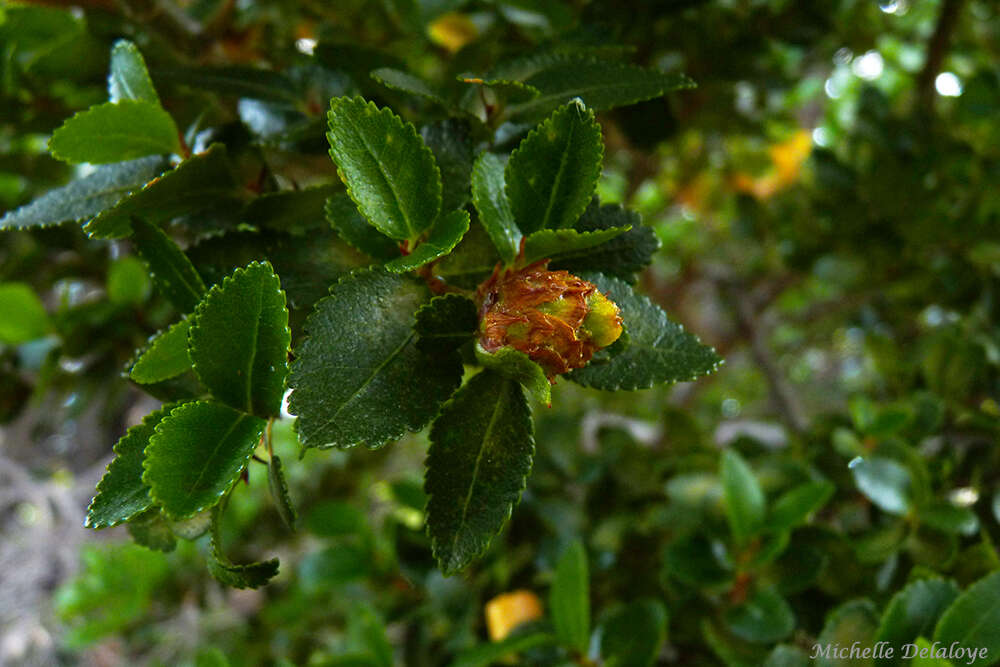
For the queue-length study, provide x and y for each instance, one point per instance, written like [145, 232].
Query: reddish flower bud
[554, 317]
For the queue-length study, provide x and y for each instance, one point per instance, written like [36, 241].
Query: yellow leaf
[789, 155]
[509, 610]
[787, 158]
[452, 31]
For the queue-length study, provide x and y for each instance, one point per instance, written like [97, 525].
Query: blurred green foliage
[830, 222]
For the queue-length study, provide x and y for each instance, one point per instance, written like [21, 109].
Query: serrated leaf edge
[684, 82]
[145, 468]
[218, 560]
[435, 96]
[160, 413]
[150, 343]
[374, 260]
[217, 288]
[576, 252]
[399, 265]
[429, 305]
[579, 106]
[396, 436]
[371, 107]
[216, 147]
[90, 110]
[123, 194]
[661, 315]
[447, 570]
[132, 49]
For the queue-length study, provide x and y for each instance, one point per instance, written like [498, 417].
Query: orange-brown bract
[554, 317]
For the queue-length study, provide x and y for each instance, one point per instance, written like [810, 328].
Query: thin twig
[783, 397]
[937, 49]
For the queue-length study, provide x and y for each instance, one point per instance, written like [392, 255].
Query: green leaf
[489, 654]
[349, 224]
[731, 650]
[569, 599]
[913, 612]
[359, 377]
[335, 566]
[742, 496]
[505, 90]
[390, 173]
[884, 482]
[129, 79]
[551, 175]
[471, 262]
[24, 317]
[444, 236]
[855, 621]
[765, 618]
[128, 282]
[632, 635]
[794, 506]
[367, 631]
[193, 527]
[333, 518]
[236, 81]
[279, 492]
[693, 561]
[152, 530]
[517, 366]
[785, 655]
[121, 493]
[973, 619]
[239, 340]
[86, 197]
[659, 350]
[211, 656]
[196, 454]
[172, 271]
[949, 518]
[354, 59]
[446, 323]
[600, 84]
[480, 456]
[623, 256]
[404, 82]
[562, 244]
[203, 181]
[450, 141]
[293, 211]
[490, 199]
[115, 131]
[507, 86]
[250, 575]
[165, 355]
[306, 269]
[924, 653]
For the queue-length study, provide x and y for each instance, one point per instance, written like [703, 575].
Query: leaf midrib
[135, 140]
[357, 392]
[667, 82]
[502, 399]
[982, 619]
[412, 233]
[486, 197]
[196, 289]
[554, 192]
[239, 419]
[253, 346]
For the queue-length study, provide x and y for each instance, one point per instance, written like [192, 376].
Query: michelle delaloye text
[953, 651]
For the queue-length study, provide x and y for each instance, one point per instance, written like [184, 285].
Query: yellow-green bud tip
[556, 318]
